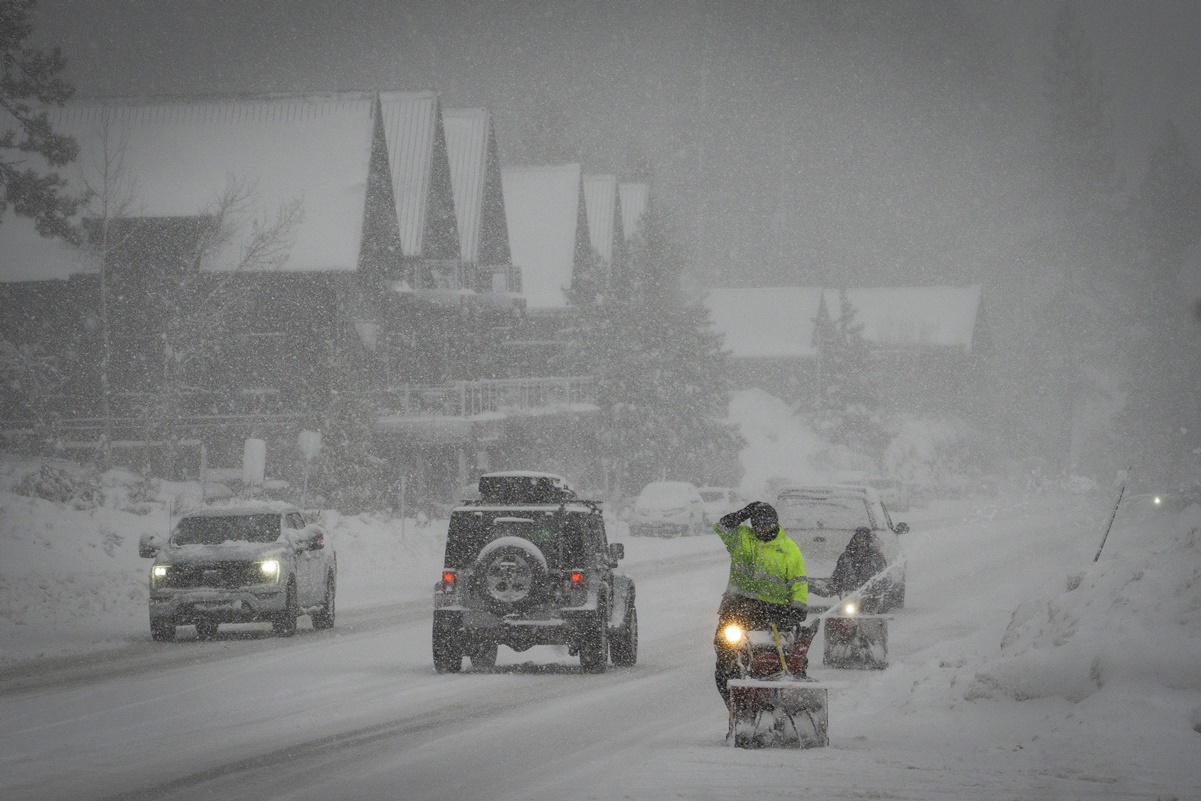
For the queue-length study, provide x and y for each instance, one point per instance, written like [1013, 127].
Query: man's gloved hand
[797, 615]
[734, 518]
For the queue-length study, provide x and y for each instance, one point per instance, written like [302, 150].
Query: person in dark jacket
[861, 560]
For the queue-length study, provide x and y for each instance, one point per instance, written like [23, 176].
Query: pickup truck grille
[221, 575]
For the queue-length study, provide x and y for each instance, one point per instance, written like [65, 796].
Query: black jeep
[528, 564]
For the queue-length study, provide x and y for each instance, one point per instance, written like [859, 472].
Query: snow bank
[71, 579]
[780, 447]
[1134, 616]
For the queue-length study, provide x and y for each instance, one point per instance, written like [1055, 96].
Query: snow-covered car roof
[524, 474]
[243, 508]
[668, 488]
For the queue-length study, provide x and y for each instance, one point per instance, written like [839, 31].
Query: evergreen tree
[1076, 348]
[660, 375]
[656, 262]
[847, 412]
[30, 78]
[1164, 366]
[352, 476]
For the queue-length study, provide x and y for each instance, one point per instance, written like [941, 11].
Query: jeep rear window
[234, 528]
[561, 541]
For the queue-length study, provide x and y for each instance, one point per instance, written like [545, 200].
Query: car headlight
[733, 633]
[158, 575]
[850, 609]
[270, 569]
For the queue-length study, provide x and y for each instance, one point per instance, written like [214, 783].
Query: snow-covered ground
[1020, 668]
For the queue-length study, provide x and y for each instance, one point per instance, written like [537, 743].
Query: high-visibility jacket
[770, 571]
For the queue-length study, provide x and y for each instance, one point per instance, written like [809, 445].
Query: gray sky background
[795, 142]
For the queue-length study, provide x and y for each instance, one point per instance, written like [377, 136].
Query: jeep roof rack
[524, 486]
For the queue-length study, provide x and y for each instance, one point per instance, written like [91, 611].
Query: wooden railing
[471, 398]
[457, 399]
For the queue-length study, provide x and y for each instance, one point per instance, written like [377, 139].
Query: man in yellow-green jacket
[767, 580]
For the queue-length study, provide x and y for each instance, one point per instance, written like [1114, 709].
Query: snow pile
[927, 453]
[780, 447]
[1133, 616]
[64, 568]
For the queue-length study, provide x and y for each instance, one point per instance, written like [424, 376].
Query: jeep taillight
[577, 577]
[448, 581]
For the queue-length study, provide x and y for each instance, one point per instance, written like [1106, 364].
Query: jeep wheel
[206, 629]
[510, 571]
[483, 654]
[323, 618]
[623, 642]
[448, 654]
[285, 624]
[594, 645]
[162, 629]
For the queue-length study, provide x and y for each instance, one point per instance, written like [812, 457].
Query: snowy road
[357, 712]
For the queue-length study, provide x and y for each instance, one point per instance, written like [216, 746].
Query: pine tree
[847, 410]
[1159, 419]
[1076, 346]
[352, 476]
[660, 375]
[30, 78]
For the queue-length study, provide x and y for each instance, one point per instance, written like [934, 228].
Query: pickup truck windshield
[811, 514]
[234, 528]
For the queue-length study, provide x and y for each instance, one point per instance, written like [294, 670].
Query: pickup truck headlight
[158, 575]
[270, 569]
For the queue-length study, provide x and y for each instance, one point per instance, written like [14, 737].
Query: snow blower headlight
[733, 633]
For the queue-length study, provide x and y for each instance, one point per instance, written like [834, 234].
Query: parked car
[527, 564]
[720, 500]
[252, 562]
[821, 520]
[668, 509]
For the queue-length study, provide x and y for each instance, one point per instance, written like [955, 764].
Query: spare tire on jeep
[510, 573]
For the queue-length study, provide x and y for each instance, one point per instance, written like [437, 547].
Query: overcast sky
[796, 142]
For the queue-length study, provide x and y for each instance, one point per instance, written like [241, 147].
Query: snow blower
[773, 703]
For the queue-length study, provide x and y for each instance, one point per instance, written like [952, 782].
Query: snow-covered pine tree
[1157, 426]
[31, 79]
[661, 376]
[351, 476]
[848, 411]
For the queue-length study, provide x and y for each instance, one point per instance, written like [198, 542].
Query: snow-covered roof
[600, 201]
[765, 322]
[775, 322]
[467, 147]
[919, 316]
[475, 177]
[542, 204]
[179, 156]
[419, 164]
[634, 201]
